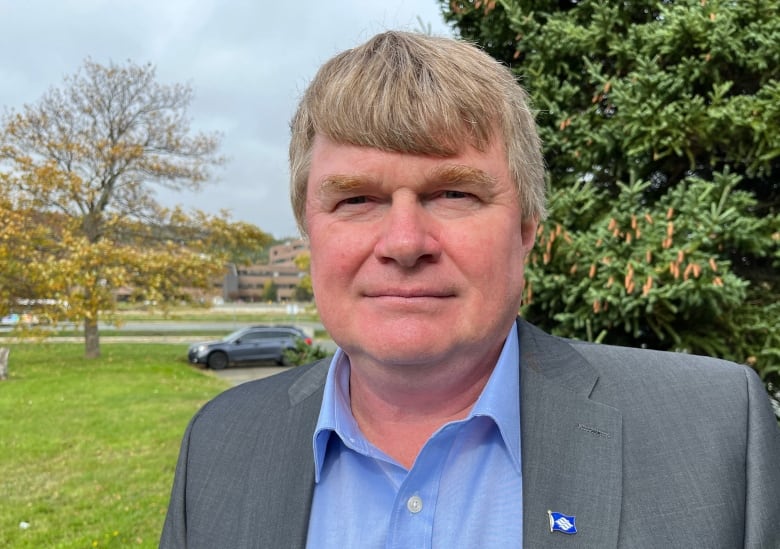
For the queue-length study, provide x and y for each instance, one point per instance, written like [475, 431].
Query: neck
[399, 408]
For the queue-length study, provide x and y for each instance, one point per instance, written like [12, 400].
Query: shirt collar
[499, 400]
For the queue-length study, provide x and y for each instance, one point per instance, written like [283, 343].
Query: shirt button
[414, 504]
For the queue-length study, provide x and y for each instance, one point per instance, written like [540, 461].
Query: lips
[410, 293]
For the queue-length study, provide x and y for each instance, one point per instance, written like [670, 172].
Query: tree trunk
[91, 338]
[4, 352]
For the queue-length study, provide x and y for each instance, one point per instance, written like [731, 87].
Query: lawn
[88, 448]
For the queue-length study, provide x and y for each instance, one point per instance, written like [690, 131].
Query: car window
[252, 336]
[264, 334]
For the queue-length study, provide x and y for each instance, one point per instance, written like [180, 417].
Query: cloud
[247, 62]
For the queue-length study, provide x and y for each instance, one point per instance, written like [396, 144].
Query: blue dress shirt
[463, 490]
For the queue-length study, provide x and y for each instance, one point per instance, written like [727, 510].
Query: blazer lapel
[571, 446]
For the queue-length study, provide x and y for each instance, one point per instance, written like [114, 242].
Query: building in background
[250, 282]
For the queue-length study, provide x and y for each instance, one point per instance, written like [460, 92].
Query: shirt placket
[414, 508]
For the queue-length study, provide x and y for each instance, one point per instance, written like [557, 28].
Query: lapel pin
[562, 523]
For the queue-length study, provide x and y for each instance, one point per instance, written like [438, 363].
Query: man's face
[415, 260]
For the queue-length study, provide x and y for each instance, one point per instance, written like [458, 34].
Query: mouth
[410, 294]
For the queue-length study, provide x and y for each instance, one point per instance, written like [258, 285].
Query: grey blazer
[647, 449]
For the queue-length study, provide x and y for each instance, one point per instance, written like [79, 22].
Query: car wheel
[218, 360]
[283, 360]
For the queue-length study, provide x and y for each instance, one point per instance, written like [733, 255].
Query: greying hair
[418, 94]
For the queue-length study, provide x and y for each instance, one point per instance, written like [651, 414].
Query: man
[443, 420]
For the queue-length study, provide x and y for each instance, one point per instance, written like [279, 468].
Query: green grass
[88, 448]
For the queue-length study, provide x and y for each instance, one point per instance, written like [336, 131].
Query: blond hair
[418, 94]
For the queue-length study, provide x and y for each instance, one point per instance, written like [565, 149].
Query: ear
[528, 227]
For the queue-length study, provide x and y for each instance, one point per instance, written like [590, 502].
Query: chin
[399, 351]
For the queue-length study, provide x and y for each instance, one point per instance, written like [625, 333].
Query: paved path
[237, 376]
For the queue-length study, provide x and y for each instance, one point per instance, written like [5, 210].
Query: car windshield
[235, 335]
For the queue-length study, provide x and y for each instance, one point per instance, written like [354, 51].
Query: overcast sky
[247, 61]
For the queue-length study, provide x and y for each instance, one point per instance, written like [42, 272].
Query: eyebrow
[456, 175]
[342, 183]
[461, 175]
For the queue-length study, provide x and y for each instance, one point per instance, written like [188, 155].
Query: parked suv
[253, 344]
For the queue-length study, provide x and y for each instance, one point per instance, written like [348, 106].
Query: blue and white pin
[564, 524]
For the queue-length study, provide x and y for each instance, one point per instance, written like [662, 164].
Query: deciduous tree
[270, 290]
[304, 290]
[81, 168]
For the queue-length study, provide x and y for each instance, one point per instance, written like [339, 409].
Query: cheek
[334, 260]
[486, 242]
[491, 257]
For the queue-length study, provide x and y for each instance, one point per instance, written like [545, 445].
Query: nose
[407, 236]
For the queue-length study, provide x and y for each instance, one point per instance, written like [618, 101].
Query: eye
[355, 200]
[453, 202]
[454, 194]
[354, 203]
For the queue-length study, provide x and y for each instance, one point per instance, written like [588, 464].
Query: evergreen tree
[661, 128]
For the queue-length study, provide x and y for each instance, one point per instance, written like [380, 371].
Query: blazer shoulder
[245, 473]
[613, 359]
[663, 381]
[630, 378]
[270, 395]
